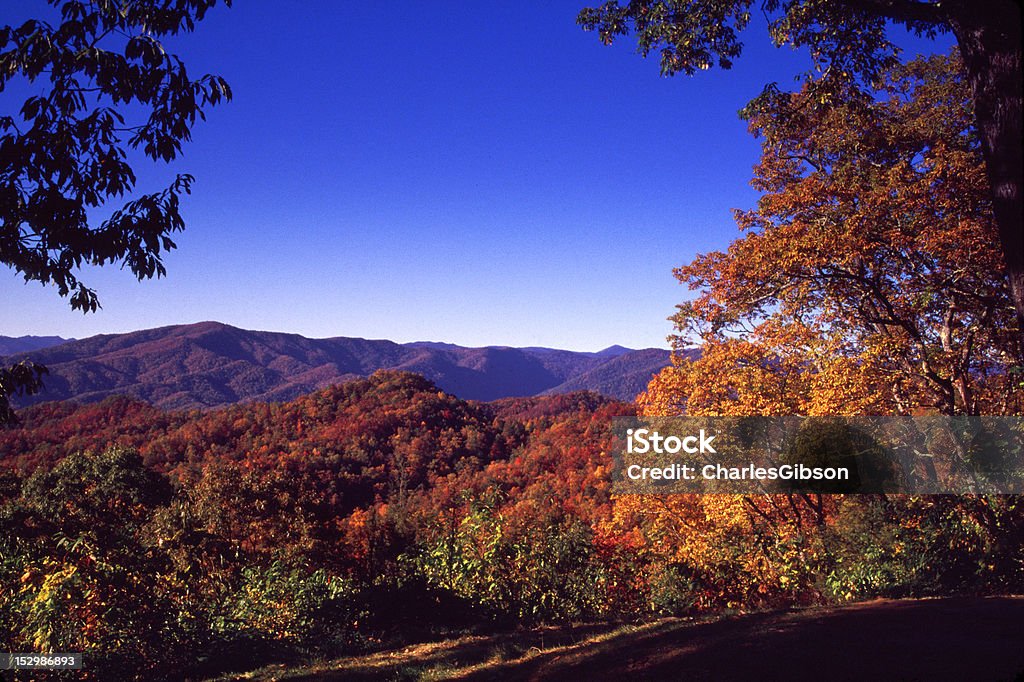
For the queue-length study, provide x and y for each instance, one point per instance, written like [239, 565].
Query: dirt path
[956, 639]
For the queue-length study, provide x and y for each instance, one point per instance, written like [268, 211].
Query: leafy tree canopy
[106, 86]
[867, 280]
[67, 152]
[848, 42]
[25, 378]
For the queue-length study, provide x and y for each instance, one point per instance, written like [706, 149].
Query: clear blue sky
[482, 173]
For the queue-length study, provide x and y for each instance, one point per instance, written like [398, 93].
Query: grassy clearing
[923, 639]
[455, 658]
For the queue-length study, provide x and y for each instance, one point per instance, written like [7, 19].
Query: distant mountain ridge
[9, 345]
[210, 364]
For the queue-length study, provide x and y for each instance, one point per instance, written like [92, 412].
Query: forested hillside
[384, 510]
[11, 345]
[198, 500]
[209, 364]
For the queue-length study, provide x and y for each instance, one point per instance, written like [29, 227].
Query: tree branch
[903, 10]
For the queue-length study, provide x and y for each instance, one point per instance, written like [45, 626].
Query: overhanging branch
[903, 10]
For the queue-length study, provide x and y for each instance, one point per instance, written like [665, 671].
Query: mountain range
[210, 364]
[9, 345]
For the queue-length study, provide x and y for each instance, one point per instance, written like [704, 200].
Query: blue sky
[482, 173]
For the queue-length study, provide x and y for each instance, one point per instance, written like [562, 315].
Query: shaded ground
[931, 639]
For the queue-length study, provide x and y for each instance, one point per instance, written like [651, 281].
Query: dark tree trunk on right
[989, 37]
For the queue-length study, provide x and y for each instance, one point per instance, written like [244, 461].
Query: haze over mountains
[210, 364]
[9, 345]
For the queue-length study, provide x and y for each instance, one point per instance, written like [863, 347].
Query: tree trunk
[989, 36]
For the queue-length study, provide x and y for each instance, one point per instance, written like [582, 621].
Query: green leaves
[847, 40]
[69, 152]
[689, 36]
[25, 378]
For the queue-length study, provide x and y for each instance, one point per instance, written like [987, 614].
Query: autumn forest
[870, 278]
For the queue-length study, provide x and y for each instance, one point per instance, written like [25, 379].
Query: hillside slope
[949, 639]
[210, 364]
[9, 345]
[623, 376]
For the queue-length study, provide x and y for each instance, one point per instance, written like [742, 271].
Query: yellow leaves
[737, 550]
[665, 395]
[846, 386]
[868, 278]
[733, 377]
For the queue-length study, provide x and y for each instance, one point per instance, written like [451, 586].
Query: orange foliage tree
[867, 281]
